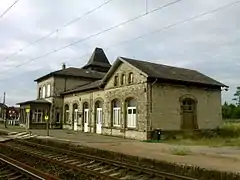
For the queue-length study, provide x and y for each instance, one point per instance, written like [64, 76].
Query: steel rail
[84, 170]
[138, 168]
[25, 169]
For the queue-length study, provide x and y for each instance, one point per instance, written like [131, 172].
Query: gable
[124, 69]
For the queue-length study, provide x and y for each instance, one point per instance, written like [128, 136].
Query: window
[123, 79]
[130, 78]
[37, 116]
[48, 90]
[44, 92]
[116, 81]
[131, 113]
[116, 112]
[39, 92]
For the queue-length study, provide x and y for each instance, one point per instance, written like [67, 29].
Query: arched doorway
[75, 117]
[85, 117]
[66, 114]
[189, 116]
[98, 116]
[131, 112]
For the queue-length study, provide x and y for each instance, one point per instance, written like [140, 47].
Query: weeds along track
[15, 170]
[94, 166]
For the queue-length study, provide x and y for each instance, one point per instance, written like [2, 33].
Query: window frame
[48, 94]
[130, 78]
[133, 122]
[44, 92]
[116, 81]
[123, 79]
[116, 112]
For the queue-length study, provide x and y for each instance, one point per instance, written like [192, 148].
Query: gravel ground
[219, 158]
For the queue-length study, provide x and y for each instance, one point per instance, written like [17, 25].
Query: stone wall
[136, 90]
[166, 109]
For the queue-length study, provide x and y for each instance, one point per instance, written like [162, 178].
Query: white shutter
[48, 90]
[44, 92]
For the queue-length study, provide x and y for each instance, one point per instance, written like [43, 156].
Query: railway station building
[130, 99]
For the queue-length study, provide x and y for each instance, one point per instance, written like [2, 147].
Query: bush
[229, 130]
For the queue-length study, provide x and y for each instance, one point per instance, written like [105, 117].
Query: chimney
[63, 66]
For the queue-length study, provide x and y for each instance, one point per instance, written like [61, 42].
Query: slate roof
[37, 101]
[98, 58]
[89, 86]
[177, 74]
[74, 72]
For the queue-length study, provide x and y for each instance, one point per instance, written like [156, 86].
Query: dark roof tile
[74, 72]
[172, 73]
[93, 85]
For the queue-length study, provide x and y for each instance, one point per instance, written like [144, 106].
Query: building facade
[133, 98]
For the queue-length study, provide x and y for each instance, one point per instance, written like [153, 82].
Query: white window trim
[86, 117]
[44, 92]
[116, 109]
[48, 90]
[129, 126]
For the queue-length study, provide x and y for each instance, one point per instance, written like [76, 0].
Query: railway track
[101, 168]
[13, 170]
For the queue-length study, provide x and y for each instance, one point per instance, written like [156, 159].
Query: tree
[237, 96]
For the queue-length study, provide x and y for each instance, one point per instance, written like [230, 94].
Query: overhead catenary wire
[99, 33]
[166, 27]
[147, 34]
[8, 9]
[58, 29]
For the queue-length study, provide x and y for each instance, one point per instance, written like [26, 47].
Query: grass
[228, 135]
[152, 141]
[212, 142]
[180, 151]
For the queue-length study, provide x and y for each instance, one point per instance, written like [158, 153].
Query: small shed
[34, 114]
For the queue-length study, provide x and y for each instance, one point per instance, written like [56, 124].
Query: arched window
[48, 90]
[131, 112]
[66, 114]
[39, 92]
[44, 92]
[116, 118]
[123, 79]
[130, 78]
[115, 80]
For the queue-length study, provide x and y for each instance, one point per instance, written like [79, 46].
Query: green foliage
[180, 151]
[232, 111]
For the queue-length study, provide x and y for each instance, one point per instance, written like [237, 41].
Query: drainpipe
[151, 95]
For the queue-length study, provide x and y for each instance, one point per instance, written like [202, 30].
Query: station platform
[215, 158]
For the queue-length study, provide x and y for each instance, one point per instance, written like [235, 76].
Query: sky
[209, 44]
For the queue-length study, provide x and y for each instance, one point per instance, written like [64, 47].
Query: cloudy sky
[209, 44]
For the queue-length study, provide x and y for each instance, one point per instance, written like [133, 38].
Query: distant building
[130, 99]
[3, 111]
[13, 113]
